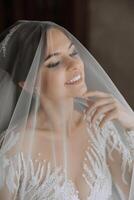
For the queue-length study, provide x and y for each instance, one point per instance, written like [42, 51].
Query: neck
[57, 115]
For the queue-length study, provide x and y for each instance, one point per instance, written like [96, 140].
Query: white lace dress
[37, 180]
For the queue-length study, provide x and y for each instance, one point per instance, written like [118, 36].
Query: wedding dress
[96, 165]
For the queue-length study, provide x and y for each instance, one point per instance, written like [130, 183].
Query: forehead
[56, 41]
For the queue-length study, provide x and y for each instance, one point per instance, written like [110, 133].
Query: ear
[21, 84]
[24, 86]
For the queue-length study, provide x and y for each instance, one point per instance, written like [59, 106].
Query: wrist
[130, 128]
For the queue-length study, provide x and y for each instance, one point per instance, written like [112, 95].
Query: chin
[80, 92]
[83, 89]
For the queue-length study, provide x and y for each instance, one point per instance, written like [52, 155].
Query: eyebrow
[56, 53]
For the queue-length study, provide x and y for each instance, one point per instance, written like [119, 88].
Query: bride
[67, 132]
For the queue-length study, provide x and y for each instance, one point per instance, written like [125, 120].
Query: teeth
[74, 79]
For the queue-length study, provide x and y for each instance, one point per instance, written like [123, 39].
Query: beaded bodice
[38, 180]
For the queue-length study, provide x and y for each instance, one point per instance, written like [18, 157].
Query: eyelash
[51, 65]
[74, 53]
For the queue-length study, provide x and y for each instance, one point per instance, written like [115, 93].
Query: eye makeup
[74, 53]
[55, 64]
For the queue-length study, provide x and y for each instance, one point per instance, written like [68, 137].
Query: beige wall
[111, 41]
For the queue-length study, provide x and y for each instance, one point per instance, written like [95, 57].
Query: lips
[74, 75]
[77, 77]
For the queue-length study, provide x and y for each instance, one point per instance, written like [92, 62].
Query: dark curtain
[72, 14]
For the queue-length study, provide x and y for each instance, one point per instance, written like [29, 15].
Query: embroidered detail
[114, 142]
[6, 144]
[130, 140]
[35, 184]
[96, 173]
[37, 180]
[7, 38]
[66, 192]
[33, 179]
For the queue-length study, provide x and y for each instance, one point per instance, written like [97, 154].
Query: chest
[68, 153]
[81, 163]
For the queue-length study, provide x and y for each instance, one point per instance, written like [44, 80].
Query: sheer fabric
[40, 160]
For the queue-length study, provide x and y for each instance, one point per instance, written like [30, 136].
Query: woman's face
[62, 73]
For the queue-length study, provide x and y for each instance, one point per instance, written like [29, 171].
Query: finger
[102, 110]
[110, 116]
[98, 103]
[96, 94]
[88, 100]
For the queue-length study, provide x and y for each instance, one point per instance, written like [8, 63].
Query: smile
[76, 80]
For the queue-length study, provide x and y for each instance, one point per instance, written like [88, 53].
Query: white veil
[22, 51]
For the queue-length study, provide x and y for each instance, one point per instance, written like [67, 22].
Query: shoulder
[9, 138]
[14, 140]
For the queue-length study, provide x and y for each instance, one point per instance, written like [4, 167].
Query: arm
[9, 170]
[120, 162]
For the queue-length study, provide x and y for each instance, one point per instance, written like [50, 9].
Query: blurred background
[105, 27]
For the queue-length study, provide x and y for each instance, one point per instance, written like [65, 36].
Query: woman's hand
[108, 105]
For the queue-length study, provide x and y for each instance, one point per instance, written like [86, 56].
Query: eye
[55, 64]
[74, 53]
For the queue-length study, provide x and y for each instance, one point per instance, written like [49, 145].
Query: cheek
[56, 78]
[53, 83]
